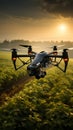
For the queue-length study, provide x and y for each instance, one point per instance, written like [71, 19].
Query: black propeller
[29, 48]
[13, 49]
[26, 46]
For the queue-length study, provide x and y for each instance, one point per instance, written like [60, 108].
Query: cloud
[59, 7]
[20, 8]
[35, 8]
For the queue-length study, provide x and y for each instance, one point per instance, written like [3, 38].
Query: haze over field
[37, 46]
[38, 20]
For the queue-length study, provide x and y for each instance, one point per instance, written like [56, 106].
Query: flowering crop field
[7, 73]
[45, 104]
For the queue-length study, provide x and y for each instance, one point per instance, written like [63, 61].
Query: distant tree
[6, 41]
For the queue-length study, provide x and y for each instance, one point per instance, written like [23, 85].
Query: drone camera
[33, 69]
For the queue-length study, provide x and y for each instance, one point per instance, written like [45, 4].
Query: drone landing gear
[40, 75]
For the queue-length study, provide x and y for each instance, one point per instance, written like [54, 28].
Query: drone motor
[14, 57]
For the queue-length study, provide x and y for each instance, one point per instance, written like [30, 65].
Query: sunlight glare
[62, 27]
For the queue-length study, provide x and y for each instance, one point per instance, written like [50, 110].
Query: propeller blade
[9, 50]
[57, 46]
[60, 50]
[60, 45]
[4, 49]
[71, 48]
[25, 45]
[13, 49]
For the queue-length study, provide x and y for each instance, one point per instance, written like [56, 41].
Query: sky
[36, 20]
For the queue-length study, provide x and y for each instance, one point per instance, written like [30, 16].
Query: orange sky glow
[31, 22]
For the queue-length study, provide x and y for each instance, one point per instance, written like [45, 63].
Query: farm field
[41, 104]
[9, 78]
[7, 72]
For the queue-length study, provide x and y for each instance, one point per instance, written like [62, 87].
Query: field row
[42, 104]
[8, 75]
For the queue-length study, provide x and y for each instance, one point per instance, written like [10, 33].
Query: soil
[15, 88]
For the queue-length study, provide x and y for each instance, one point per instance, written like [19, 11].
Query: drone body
[38, 61]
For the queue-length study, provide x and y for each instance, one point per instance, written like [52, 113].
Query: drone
[37, 62]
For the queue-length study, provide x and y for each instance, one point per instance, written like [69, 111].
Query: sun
[62, 27]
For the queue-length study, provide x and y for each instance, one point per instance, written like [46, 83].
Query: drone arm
[22, 61]
[55, 56]
[14, 63]
[57, 63]
[65, 67]
[26, 56]
[66, 59]
[14, 58]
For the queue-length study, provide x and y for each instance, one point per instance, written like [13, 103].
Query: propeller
[56, 46]
[29, 48]
[5, 49]
[9, 50]
[16, 49]
[61, 45]
[13, 49]
[26, 46]
[70, 48]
